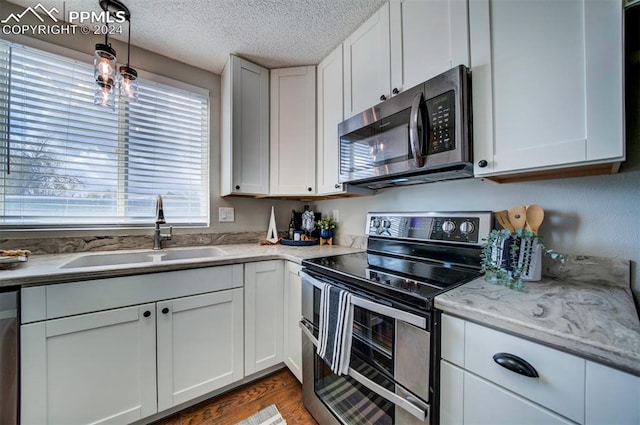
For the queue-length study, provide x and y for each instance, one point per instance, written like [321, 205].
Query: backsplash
[63, 245]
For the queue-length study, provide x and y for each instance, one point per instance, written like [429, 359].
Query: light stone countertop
[45, 269]
[588, 318]
[593, 320]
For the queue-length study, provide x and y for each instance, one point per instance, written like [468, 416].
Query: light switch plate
[226, 214]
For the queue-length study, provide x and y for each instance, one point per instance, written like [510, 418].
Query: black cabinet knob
[165, 310]
[310, 189]
[337, 186]
[237, 187]
[482, 163]
[383, 97]
[146, 313]
[395, 91]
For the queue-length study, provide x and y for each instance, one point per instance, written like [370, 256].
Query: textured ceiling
[273, 33]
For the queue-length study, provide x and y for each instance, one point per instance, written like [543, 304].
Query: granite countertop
[594, 320]
[45, 269]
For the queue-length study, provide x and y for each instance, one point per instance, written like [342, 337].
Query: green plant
[326, 223]
[508, 268]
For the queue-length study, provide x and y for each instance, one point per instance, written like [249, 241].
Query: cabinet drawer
[485, 403]
[67, 299]
[560, 385]
[453, 340]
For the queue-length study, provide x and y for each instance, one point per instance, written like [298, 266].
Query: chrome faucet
[158, 236]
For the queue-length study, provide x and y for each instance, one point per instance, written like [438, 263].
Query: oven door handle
[394, 313]
[408, 403]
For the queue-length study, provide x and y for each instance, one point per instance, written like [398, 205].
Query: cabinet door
[367, 74]
[94, 368]
[264, 318]
[292, 316]
[485, 403]
[330, 114]
[547, 84]
[451, 394]
[427, 38]
[293, 131]
[612, 396]
[245, 128]
[199, 345]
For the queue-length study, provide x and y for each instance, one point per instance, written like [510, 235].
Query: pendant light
[105, 64]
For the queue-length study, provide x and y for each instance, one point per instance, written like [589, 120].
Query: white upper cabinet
[547, 86]
[405, 43]
[367, 73]
[293, 131]
[330, 114]
[244, 164]
[427, 39]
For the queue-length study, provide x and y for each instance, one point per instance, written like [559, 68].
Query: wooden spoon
[518, 217]
[535, 216]
[503, 220]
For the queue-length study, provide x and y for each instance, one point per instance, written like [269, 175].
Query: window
[68, 163]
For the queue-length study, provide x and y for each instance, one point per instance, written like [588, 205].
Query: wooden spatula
[503, 220]
[518, 217]
[535, 216]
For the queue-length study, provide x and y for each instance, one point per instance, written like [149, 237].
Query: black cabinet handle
[237, 187]
[395, 91]
[383, 97]
[482, 163]
[146, 313]
[165, 310]
[310, 189]
[337, 186]
[515, 364]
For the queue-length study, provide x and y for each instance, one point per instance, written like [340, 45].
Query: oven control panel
[455, 227]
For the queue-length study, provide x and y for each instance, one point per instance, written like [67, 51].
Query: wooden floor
[280, 388]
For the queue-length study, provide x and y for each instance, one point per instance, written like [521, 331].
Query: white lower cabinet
[123, 364]
[292, 316]
[475, 389]
[94, 368]
[264, 315]
[199, 345]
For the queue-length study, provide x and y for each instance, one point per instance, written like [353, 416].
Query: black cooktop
[408, 280]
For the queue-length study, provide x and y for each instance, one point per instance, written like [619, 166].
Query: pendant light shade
[104, 69]
[128, 84]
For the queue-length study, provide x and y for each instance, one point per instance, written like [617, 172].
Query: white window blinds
[69, 163]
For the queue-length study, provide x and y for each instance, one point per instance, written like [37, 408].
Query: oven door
[388, 378]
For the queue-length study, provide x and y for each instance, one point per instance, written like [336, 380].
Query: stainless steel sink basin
[191, 253]
[96, 260]
[125, 258]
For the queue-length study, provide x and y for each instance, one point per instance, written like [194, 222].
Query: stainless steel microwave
[421, 135]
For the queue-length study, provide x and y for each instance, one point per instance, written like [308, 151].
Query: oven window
[348, 400]
[373, 338]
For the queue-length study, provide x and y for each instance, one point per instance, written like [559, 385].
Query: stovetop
[411, 282]
[411, 257]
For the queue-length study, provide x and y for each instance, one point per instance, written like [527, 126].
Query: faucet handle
[167, 236]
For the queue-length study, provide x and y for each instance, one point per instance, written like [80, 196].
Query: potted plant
[509, 258]
[326, 226]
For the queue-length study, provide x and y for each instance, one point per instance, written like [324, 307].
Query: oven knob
[467, 227]
[448, 226]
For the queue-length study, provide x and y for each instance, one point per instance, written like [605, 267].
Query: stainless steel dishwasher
[9, 357]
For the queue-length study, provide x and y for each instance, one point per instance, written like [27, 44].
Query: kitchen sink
[96, 260]
[161, 256]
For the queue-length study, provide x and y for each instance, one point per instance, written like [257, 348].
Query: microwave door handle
[405, 403]
[414, 139]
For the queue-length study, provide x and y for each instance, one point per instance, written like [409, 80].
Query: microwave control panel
[465, 228]
[441, 114]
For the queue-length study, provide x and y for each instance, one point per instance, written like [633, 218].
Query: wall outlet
[226, 215]
[335, 215]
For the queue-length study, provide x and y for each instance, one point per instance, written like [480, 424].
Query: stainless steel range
[395, 345]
